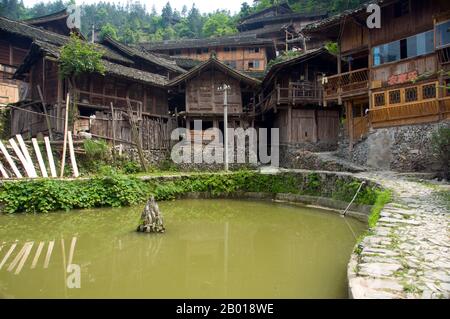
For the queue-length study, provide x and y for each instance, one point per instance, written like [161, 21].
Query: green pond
[212, 249]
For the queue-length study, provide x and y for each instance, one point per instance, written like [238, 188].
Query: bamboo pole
[26, 154]
[37, 150]
[10, 160]
[66, 124]
[72, 155]
[51, 162]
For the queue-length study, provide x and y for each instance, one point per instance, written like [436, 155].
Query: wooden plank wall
[304, 125]
[203, 96]
[155, 132]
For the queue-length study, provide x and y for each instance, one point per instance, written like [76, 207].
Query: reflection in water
[213, 248]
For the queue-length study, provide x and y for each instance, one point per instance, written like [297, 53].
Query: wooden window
[253, 64]
[231, 64]
[380, 99]
[199, 51]
[233, 49]
[429, 91]
[226, 49]
[205, 50]
[411, 94]
[394, 97]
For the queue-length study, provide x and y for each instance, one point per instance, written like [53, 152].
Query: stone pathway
[407, 254]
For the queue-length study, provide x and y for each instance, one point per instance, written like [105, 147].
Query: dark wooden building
[282, 25]
[132, 78]
[394, 75]
[291, 98]
[245, 53]
[198, 95]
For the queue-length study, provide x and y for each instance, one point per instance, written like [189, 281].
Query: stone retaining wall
[402, 148]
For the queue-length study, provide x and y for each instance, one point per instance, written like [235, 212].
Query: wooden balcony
[347, 84]
[405, 114]
[299, 92]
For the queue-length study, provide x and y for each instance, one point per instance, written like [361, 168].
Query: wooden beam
[72, 155]
[66, 124]
[4, 173]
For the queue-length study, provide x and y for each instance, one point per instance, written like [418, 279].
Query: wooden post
[113, 125]
[289, 123]
[133, 120]
[47, 119]
[3, 171]
[66, 124]
[72, 155]
[59, 101]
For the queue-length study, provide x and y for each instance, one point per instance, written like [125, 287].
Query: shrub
[440, 144]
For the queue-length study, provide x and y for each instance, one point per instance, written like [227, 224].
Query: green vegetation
[440, 144]
[381, 199]
[114, 190]
[79, 57]
[134, 22]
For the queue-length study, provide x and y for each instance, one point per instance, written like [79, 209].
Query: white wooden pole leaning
[21, 157]
[10, 160]
[4, 173]
[37, 150]
[66, 124]
[51, 162]
[72, 155]
[26, 155]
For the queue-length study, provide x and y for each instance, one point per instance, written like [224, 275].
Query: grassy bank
[40, 196]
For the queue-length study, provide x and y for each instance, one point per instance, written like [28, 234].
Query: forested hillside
[135, 22]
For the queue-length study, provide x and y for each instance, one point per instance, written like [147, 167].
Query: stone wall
[400, 148]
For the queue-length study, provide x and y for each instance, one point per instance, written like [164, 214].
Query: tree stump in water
[151, 218]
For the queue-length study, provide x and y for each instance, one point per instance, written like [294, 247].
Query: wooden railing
[101, 100]
[346, 83]
[411, 113]
[299, 92]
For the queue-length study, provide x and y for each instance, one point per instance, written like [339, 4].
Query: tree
[246, 10]
[167, 15]
[195, 21]
[78, 56]
[184, 11]
[108, 30]
[218, 24]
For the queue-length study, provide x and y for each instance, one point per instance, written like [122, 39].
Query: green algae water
[212, 249]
